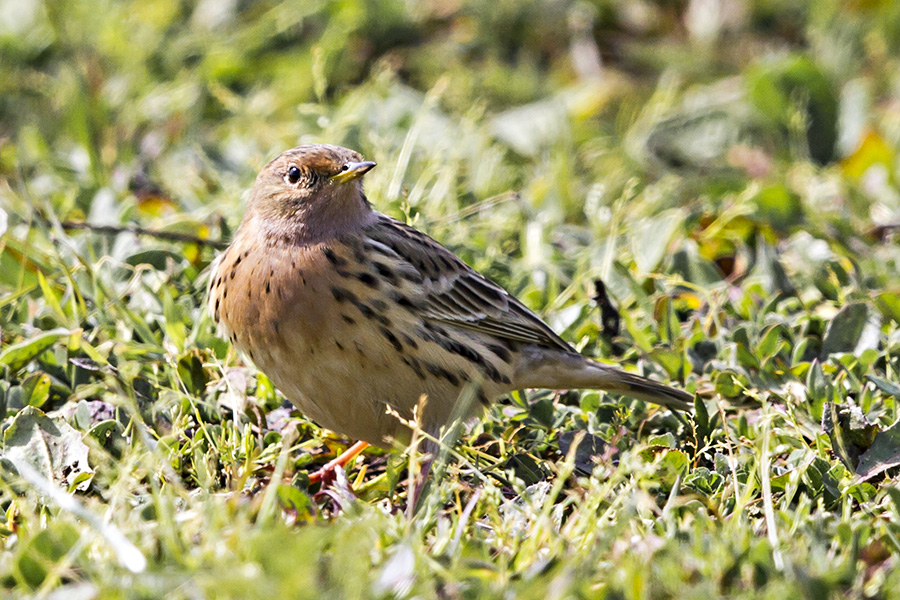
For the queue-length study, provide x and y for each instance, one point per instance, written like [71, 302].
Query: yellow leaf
[872, 150]
[156, 205]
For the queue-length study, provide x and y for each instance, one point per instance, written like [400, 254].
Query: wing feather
[453, 293]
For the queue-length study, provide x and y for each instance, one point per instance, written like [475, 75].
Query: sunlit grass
[736, 194]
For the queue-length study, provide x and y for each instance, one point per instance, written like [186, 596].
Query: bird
[356, 317]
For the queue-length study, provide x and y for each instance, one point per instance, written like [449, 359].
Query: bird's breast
[271, 296]
[340, 334]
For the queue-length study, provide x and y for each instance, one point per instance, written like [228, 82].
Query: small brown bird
[349, 311]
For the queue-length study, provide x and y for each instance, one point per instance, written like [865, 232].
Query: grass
[733, 182]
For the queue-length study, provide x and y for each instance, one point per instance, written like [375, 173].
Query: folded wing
[455, 294]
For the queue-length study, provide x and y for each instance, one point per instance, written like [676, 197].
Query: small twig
[172, 236]
[137, 230]
[475, 208]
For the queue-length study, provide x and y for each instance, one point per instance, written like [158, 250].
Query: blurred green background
[728, 168]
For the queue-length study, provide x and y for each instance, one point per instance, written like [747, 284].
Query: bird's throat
[325, 217]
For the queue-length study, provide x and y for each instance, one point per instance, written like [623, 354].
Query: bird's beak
[353, 170]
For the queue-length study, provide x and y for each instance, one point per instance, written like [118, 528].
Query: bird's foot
[325, 475]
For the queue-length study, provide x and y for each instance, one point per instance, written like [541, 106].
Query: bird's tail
[573, 371]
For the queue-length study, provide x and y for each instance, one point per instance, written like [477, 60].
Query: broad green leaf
[883, 454]
[769, 269]
[19, 268]
[36, 389]
[697, 139]
[651, 237]
[861, 491]
[857, 327]
[675, 461]
[293, 500]
[155, 258]
[110, 434]
[794, 83]
[889, 305]
[701, 417]
[816, 384]
[824, 476]
[526, 468]
[543, 411]
[42, 552]
[192, 373]
[888, 387]
[704, 481]
[667, 440]
[779, 207]
[671, 360]
[51, 446]
[768, 346]
[20, 354]
[82, 416]
[730, 384]
[590, 447]
[688, 263]
[850, 432]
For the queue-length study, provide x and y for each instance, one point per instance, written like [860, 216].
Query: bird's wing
[453, 292]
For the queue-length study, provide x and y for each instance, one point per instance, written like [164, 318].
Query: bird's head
[316, 187]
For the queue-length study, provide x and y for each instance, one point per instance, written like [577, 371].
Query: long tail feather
[573, 371]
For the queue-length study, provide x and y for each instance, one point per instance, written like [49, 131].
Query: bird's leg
[326, 473]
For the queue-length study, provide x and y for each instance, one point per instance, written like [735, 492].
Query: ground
[726, 169]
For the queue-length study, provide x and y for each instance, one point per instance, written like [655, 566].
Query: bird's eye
[344, 168]
[293, 174]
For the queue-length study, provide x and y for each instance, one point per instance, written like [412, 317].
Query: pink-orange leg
[327, 472]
